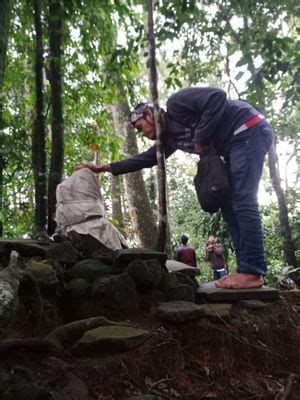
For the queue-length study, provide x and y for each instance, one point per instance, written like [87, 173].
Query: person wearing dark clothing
[185, 253]
[216, 255]
[197, 117]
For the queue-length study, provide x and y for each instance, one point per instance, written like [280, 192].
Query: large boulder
[186, 279]
[146, 274]
[111, 295]
[125, 256]
[80, 290]
[181, 292]
[179, 311]
[44, 275]
[63, 252]
[24, 247]
[149, 299]
[88, 244]
[90, 270]
[105, 257]
[168, 281]
[58, 268]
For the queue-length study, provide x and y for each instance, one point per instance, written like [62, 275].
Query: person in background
[216, 255]
[185, 253]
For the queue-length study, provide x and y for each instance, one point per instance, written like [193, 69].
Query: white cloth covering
[80, 208]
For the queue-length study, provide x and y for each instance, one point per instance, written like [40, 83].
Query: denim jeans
[218, 274]
[245, 157]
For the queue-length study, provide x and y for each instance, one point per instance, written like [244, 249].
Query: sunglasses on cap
[139, 112]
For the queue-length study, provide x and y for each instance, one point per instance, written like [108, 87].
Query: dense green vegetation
[250, 48]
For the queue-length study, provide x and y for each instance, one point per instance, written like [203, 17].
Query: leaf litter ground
[248, 355]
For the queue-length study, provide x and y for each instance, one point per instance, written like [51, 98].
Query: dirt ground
[248, 355]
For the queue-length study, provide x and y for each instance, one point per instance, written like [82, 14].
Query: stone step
[25, 247]
[210, 293]
[63, 252]
[111, 338]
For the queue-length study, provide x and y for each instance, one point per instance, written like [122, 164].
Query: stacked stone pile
[103, 282]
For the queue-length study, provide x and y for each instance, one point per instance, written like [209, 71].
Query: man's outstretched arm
[146, 159]
[95, 168]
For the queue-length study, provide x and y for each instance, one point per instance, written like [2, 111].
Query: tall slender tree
[5, 14]
[38, 136]
[162, 189]
[57, 125]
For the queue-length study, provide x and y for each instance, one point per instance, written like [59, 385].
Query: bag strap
[208, 150]
[212, 150]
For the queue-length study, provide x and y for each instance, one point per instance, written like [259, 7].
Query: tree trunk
[57, 128]
[38, 139]
[139, 205]
[117, 212]
[5, 14]
[2, 164]
[162, 197]
[288, 246]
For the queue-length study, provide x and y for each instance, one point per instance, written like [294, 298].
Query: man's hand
[198, 148]
[95, 168]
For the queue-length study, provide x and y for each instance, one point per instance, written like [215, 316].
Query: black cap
[139, 112]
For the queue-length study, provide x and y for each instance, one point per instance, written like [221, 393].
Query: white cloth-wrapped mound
[80, 208]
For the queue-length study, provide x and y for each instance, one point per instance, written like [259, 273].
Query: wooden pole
[162, 201]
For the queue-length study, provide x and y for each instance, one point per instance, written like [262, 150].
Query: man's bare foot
[240, 281]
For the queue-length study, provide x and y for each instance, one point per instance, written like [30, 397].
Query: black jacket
[195, 115]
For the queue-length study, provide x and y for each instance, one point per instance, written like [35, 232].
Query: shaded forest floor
[247, 355]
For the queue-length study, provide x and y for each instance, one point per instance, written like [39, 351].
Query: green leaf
[241, 62]
[231, 50]
[239, 75]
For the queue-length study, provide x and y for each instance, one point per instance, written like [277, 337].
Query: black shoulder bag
[212, 182]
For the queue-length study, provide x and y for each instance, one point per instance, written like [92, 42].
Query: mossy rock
[90, 270]
[45, 276]
[179, 311]
[146, 274]
[80, 289]
[216, 310]
[110, 339]
[181, 292]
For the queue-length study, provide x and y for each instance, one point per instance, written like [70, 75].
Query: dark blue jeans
[218, 274]
[245, 158]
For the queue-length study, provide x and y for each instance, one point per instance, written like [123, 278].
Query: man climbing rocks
[197, 117]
